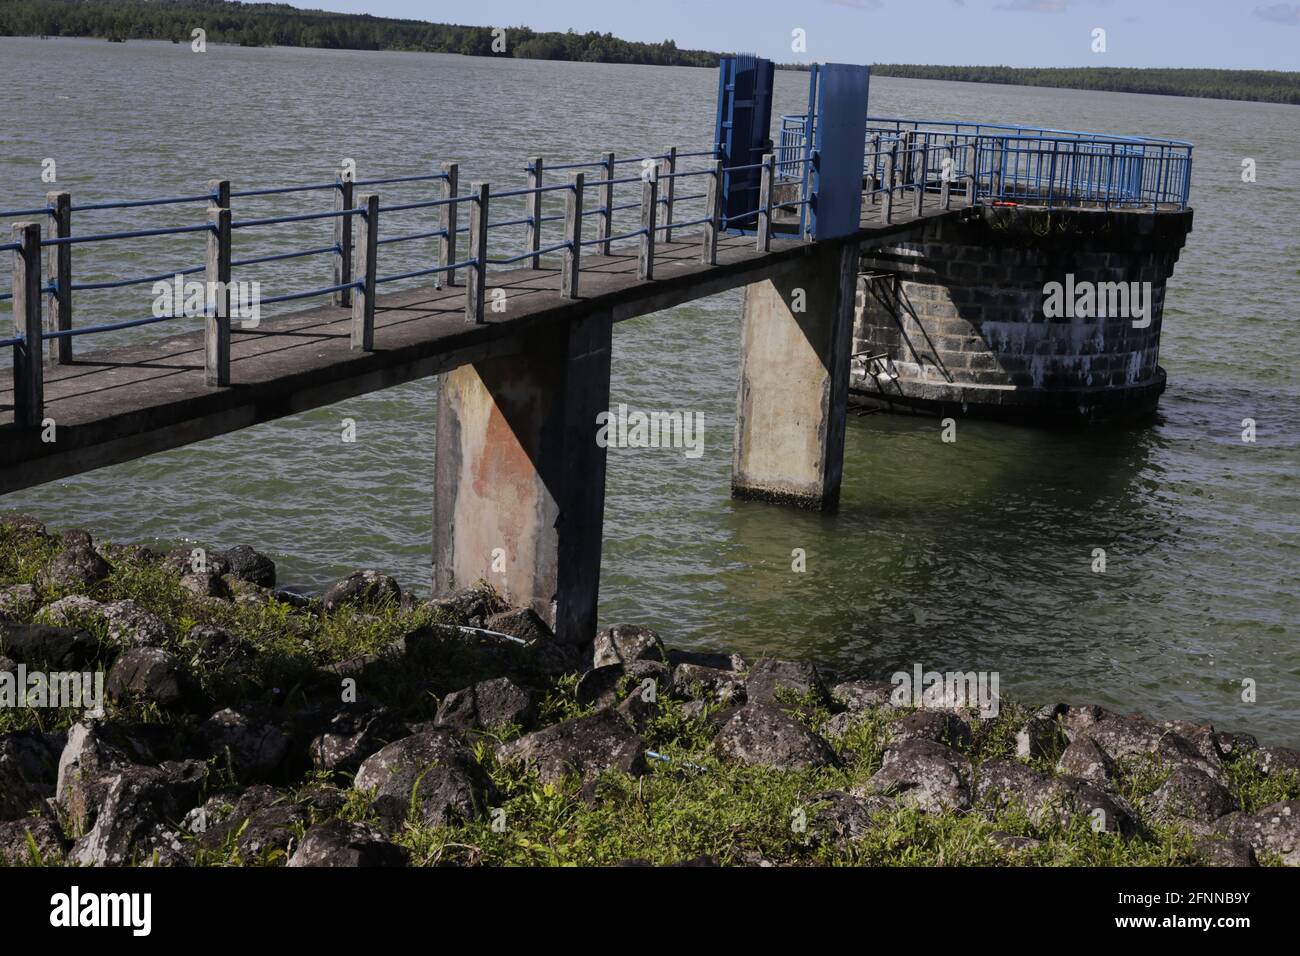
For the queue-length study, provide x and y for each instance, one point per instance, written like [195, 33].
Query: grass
[687, 806]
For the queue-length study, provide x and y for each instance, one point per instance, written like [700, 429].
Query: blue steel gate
[742, 132]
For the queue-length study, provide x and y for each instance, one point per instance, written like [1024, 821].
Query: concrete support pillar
[519, 481]
[794, 376]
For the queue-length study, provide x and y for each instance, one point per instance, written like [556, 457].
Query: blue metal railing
[1012, 163]
[532, 196]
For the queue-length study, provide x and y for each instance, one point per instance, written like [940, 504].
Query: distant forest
[277, 24]
[1270, 86]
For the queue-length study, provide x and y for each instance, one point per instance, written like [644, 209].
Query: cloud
[1288, 13]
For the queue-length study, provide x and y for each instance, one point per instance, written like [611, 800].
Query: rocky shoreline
[250, 724]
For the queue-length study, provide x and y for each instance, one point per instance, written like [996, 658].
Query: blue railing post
[533, 237]
[670, 189]
[343, 200]
[29, 377]
[606, 225]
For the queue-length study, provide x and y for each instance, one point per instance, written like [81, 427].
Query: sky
[1229, 34]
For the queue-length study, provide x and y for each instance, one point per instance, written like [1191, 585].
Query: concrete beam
[519, 481]
[794, 377]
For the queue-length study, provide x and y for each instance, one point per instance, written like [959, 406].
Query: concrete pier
[791, 400]
[519, 480]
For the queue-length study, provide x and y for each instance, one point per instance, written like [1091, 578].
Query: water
[975, 555]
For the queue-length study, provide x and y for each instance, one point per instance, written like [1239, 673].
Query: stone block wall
[958, 307]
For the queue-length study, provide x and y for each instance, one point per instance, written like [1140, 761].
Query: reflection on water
[974, 555]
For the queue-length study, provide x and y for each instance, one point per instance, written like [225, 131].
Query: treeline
[1268, 86]
[277, 24]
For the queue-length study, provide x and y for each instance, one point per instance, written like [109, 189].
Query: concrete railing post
[216, 300]
[476, 281]
[669, 190]
[363, 303]
[29, 376]
[343, 196]
[572, 235]
[713, 201]
[58, 265]
[972, 177]
[645, 266]
[606, 228]
[765, 203]
[447, 242]
[534, 235]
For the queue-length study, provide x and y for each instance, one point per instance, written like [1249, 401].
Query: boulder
[149, 674]
[1211, 851]
[582, 746]
[184, 561]
[487, 705]
[134, 820]
[941, 726]
[762, 734]
[205, 584]
[29, 770]
[75, 568]
[1013, 842]
[524, 624]
[19, 837]
[249, 565]
[59, 648]
[18, 601]
[1192, 794]
[1274, 830]
[132, 626]
[856, 695]
[254, 824]
[339, 843]
[1037, 738]
[471, 606]
[1006, 783]
[1271, 760]
[93, 753]
[923, 774]
[361, 588]
[432, 772]
[218, 648]
[1085, 760]
[254, 746]
[352, 733]
[769, 675]
[74, 610]
[625, 643]
[838, 817]
[698, 682]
